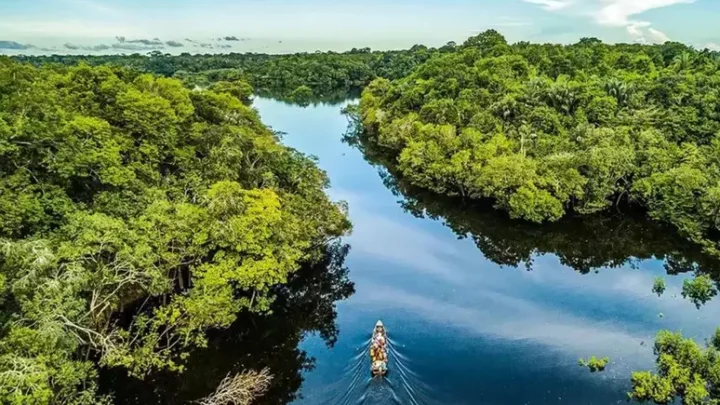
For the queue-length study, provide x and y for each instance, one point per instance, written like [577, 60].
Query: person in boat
[378, 349]
[380, 367]
[379, 328]
[378, 352]
[379, 335]
[379, 340]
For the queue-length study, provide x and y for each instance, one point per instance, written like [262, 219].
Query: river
[479, 309]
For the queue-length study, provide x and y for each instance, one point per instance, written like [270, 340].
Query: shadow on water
[305, 305]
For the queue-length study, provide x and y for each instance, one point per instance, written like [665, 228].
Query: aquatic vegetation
[699, 290]
[684, 370]
[659, 286]
[594, 363]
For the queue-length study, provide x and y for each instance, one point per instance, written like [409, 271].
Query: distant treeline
[306, 74]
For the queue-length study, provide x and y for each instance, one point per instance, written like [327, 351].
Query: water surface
[481, 309]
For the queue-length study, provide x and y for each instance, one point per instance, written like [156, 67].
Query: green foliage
[684, 370]
[303, 306]
[323, 73]
[699, 290]
[137, 215]
[659, 286]
[302, 95]
[543, 130]
[585, 243]
[594, 364]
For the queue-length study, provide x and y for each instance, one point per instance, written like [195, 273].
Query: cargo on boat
[378, 350]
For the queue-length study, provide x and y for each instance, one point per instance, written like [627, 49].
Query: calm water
[479, 309]
[469, 330]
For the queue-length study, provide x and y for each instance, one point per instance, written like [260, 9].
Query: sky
[281, 26]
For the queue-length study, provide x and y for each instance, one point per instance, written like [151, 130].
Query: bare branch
[240, 389]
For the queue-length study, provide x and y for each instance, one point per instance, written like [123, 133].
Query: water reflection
[306, 305]
[334, 98]
[469, 329]
[584, 243]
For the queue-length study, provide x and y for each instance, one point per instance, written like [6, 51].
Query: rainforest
[166, 237]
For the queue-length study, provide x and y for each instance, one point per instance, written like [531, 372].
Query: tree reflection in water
[306, 304]
[585, 243]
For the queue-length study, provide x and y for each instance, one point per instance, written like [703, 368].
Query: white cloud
[712, 46]
[636, 31]
[619, 13]
[657, 36]
[551, 5]
[642, 32]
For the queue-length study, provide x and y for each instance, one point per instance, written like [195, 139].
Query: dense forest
[543, 130]
[300, 76]
[136, 216]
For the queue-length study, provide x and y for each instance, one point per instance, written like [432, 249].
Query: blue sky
[308, 25]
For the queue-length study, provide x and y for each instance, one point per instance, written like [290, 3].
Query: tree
[684, 369]
[148, 214]
[659, 286]
[699, 290]
[588, 127]
[594, 363]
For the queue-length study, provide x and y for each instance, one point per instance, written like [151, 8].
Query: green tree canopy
[543, 130]
[135, 215]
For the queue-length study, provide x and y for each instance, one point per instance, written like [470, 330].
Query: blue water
[465, 330]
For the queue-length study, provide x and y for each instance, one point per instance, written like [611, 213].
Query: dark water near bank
[479, 309]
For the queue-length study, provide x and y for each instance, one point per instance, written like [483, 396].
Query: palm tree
[618, 89]
[562, 98]
[704, 59]
[683, 61]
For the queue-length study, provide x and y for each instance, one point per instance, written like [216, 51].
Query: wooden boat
[378, 350]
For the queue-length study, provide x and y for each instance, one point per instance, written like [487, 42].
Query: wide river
[467, 330]
[479, 309]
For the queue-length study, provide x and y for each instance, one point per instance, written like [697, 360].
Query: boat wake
[400, 386]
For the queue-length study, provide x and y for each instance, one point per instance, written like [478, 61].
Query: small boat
[378, 350]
